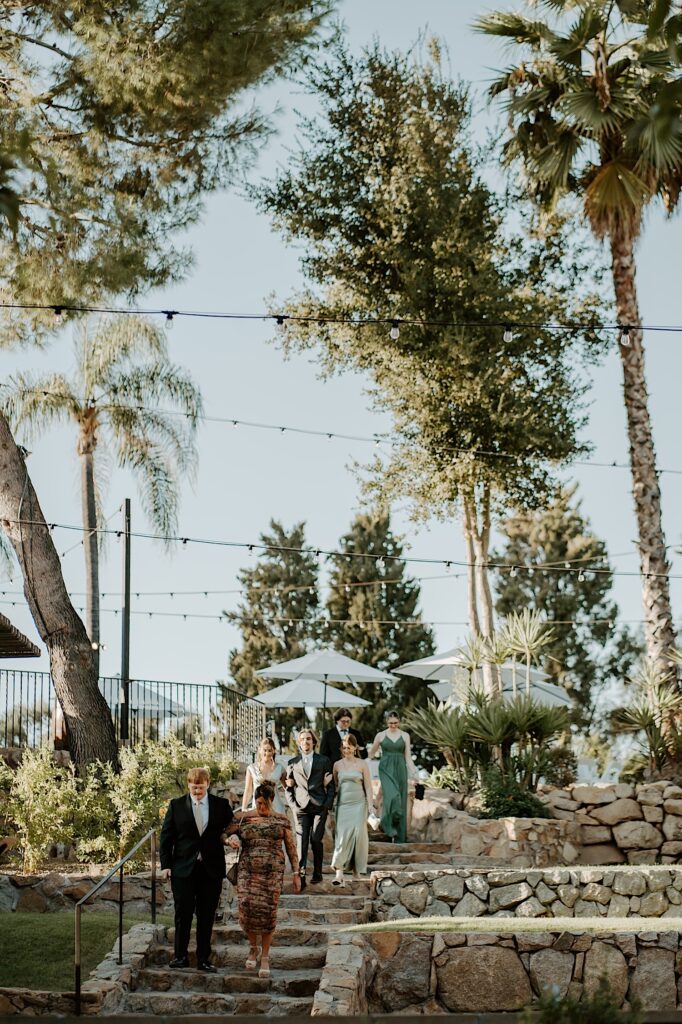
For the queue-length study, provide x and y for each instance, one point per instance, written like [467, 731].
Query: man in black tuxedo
[310, 790]
[331, 741]
[193, 857]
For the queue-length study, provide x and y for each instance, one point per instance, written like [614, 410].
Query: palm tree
[526, 633]
[594, 110]
[122, 375]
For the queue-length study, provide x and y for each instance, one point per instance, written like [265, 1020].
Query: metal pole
[77, 959]
[120, 915]
[125, 627]
[153, 877]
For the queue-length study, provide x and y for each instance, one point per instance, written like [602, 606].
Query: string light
[625, 337]
[169, 318]
[57, 310]
[511, 325]
[512, 572]
[508, 335]
[581, 577]
[395, 330]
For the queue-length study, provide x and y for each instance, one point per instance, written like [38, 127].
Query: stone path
[298, 954]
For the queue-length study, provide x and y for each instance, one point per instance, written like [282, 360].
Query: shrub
[601, 1008]
[100, 813]
[447, 777]
[502, 797]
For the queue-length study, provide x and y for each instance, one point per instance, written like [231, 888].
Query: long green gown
[351, 845]
[393, 777]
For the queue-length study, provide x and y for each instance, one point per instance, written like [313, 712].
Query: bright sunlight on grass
[37, 949]
[510, 925]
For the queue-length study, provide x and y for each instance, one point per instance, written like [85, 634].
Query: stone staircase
[299, 951]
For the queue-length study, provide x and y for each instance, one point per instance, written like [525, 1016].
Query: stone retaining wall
[618, 822]
[475, 973]
[653, 892]
[58, 891]
[520, 842]
[607, 823]
[346, 977]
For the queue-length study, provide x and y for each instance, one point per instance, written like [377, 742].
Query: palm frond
[571, 47]
[156, 382]
[112, 341]
[35, 403]
[169, 434]
[615, 194]
[516, 27]
[553, 164]
[658, 138]
[157, 483]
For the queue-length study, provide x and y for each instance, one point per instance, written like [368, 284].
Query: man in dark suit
[310, 790]
[193, 857]
[331, 741]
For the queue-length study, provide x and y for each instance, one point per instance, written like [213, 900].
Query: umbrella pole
[324, 708]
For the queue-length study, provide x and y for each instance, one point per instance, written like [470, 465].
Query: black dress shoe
[207, 966]
[179, 961]
[303, 883]
[315, 879]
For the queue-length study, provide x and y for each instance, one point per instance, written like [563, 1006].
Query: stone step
[393, 857]
[301, 983]
[233, 955]
[299, 934]
[177, 1004]
[341, 899]
[380, 847]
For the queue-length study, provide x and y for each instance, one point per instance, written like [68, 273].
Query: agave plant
[527, 633]
[654, 714]
[472, 655]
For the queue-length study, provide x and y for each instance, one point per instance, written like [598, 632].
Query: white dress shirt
[307, 761]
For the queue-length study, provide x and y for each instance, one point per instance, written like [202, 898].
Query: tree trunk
[481, 544]
[659, 631]
[468, 517]
[91, 730]
[91, 550]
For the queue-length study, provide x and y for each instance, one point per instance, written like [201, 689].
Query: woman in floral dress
[262, 833]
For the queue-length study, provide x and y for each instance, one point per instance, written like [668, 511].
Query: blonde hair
[310, 733]
[265, 742]
[197, 775]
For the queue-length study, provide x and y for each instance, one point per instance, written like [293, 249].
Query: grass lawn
[37, 949]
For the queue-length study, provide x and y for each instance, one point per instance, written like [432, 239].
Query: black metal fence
[221, 716]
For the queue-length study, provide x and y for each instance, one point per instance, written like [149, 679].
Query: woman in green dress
[394, 767]
[353, 805]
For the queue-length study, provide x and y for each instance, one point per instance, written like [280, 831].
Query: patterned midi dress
[260, 874]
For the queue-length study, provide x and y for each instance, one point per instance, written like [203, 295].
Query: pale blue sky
[245, 477]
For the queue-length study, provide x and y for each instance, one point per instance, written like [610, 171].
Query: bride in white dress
[265, 769]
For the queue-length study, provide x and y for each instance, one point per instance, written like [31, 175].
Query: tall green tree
[386, 197]
[278, 616]
[373, 614]
[127, 114]
[123, 397]
[587, 649]
[594, 106]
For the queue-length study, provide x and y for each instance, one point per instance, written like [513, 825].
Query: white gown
[279, 803]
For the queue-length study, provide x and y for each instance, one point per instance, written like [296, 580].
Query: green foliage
[278, 615]
[447, 777]
[586, 649]
[101, 812]
[128, 115]
[386, 196]
[594, 107]
[511, 739]
[504, 797]
[561, 767]
[599, 1008]
[654, 717]
[381, 603]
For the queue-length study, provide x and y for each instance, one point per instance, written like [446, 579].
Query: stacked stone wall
[651, 892]
[59, 891]
[477, 973]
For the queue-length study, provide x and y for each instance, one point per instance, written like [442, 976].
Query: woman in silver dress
[265, 769]
[353, 806]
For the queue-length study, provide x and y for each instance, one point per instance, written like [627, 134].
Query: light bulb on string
[625, 339]
[508, 335]
[57, 310]
[581, 577]
[169, 319]
[512, 572]
[395, 330]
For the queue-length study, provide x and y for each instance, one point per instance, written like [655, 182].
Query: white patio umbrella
[541, 690]
[309, 693]
[452, 678]
[326, 665]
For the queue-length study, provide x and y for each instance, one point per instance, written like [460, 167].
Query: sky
[246, 477]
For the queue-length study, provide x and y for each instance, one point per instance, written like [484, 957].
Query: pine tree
[278, 616]
[588, 648]
[373, 615]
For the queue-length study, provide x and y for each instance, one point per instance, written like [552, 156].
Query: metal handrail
[151, 835]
